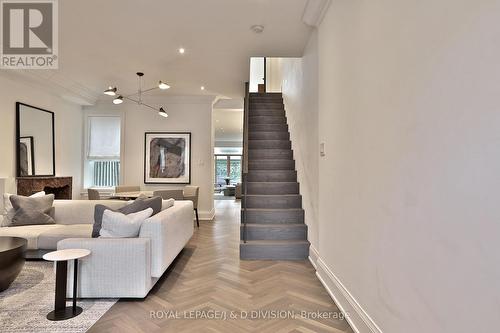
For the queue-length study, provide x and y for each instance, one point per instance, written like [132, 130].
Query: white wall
[409, 95]
[273, 74]
[299, 81]
[68, 126]
[186, 114]
[256, 73]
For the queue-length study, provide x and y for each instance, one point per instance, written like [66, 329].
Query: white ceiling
[105, 42]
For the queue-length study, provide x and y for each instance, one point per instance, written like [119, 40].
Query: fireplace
[61, 187]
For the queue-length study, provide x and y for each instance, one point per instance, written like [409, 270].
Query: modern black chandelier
[113, 91]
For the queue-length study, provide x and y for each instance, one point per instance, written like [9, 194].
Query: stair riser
[253, 101]
[272, 176]
[269, 144]
[267, 112]
[277, 202]
[272, 102]
[278, 106]
[268, 128]
[266, 120]
[269, 136]
[265, 94]
[275, 233]
[271, 165]
[250, 251]
[272, 188]
[291, 216]
[269, 154]
[266, 98]
[266, 106]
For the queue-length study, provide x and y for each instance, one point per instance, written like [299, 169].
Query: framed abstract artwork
[167, 158]
[26, 156]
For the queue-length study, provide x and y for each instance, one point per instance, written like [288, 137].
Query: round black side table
[61, 257]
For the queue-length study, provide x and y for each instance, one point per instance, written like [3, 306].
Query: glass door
[227, 170]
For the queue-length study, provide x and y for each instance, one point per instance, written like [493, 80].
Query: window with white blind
[103, 151]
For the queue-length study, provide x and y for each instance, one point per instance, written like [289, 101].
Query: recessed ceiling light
[202, 88]
[182, 50]
[257, 28]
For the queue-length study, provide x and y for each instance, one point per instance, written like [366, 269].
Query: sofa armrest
[116, 267]
[169, 231]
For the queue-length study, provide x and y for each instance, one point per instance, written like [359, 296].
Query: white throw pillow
[167, 203]
[8, 210]
[119, 225]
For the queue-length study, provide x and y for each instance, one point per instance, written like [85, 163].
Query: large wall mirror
[34, 141]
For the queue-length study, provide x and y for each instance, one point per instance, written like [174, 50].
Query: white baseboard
[357, 317]
[206, 215]
[313, 256]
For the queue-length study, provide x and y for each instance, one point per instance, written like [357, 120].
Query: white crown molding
[315, 11]
[50, 81]
[357, 317]
[230, 104]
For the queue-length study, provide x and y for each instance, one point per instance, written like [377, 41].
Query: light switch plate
[322, 149]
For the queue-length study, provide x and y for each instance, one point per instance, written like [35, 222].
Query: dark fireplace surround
[61, 187]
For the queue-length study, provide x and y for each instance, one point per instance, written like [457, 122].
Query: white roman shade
[104, 137]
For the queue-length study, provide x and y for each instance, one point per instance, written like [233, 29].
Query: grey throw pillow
[138, 205]
[32, 211]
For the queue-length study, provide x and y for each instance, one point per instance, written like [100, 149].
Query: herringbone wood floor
[208, 275]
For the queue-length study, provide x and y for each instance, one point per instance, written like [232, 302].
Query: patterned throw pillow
[31, 210]
[8, 210]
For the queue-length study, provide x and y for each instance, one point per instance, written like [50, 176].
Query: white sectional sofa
[116, 267]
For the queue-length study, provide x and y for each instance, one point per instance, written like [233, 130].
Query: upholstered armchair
[93, 194]
[169, 194]
[124, 188]
[191, 193]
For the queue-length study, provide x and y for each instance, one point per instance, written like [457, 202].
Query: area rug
[24, 305]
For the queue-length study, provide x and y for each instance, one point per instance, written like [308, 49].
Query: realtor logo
[29, 34]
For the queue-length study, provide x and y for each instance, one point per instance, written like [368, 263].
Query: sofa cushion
[31, 211]
[48, 239]
[119, 225]
[138, 205]
[28, 232]
[80, 211]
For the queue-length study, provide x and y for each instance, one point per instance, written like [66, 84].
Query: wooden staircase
[272, 217]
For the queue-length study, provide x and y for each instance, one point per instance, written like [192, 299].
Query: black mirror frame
[18, 137]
